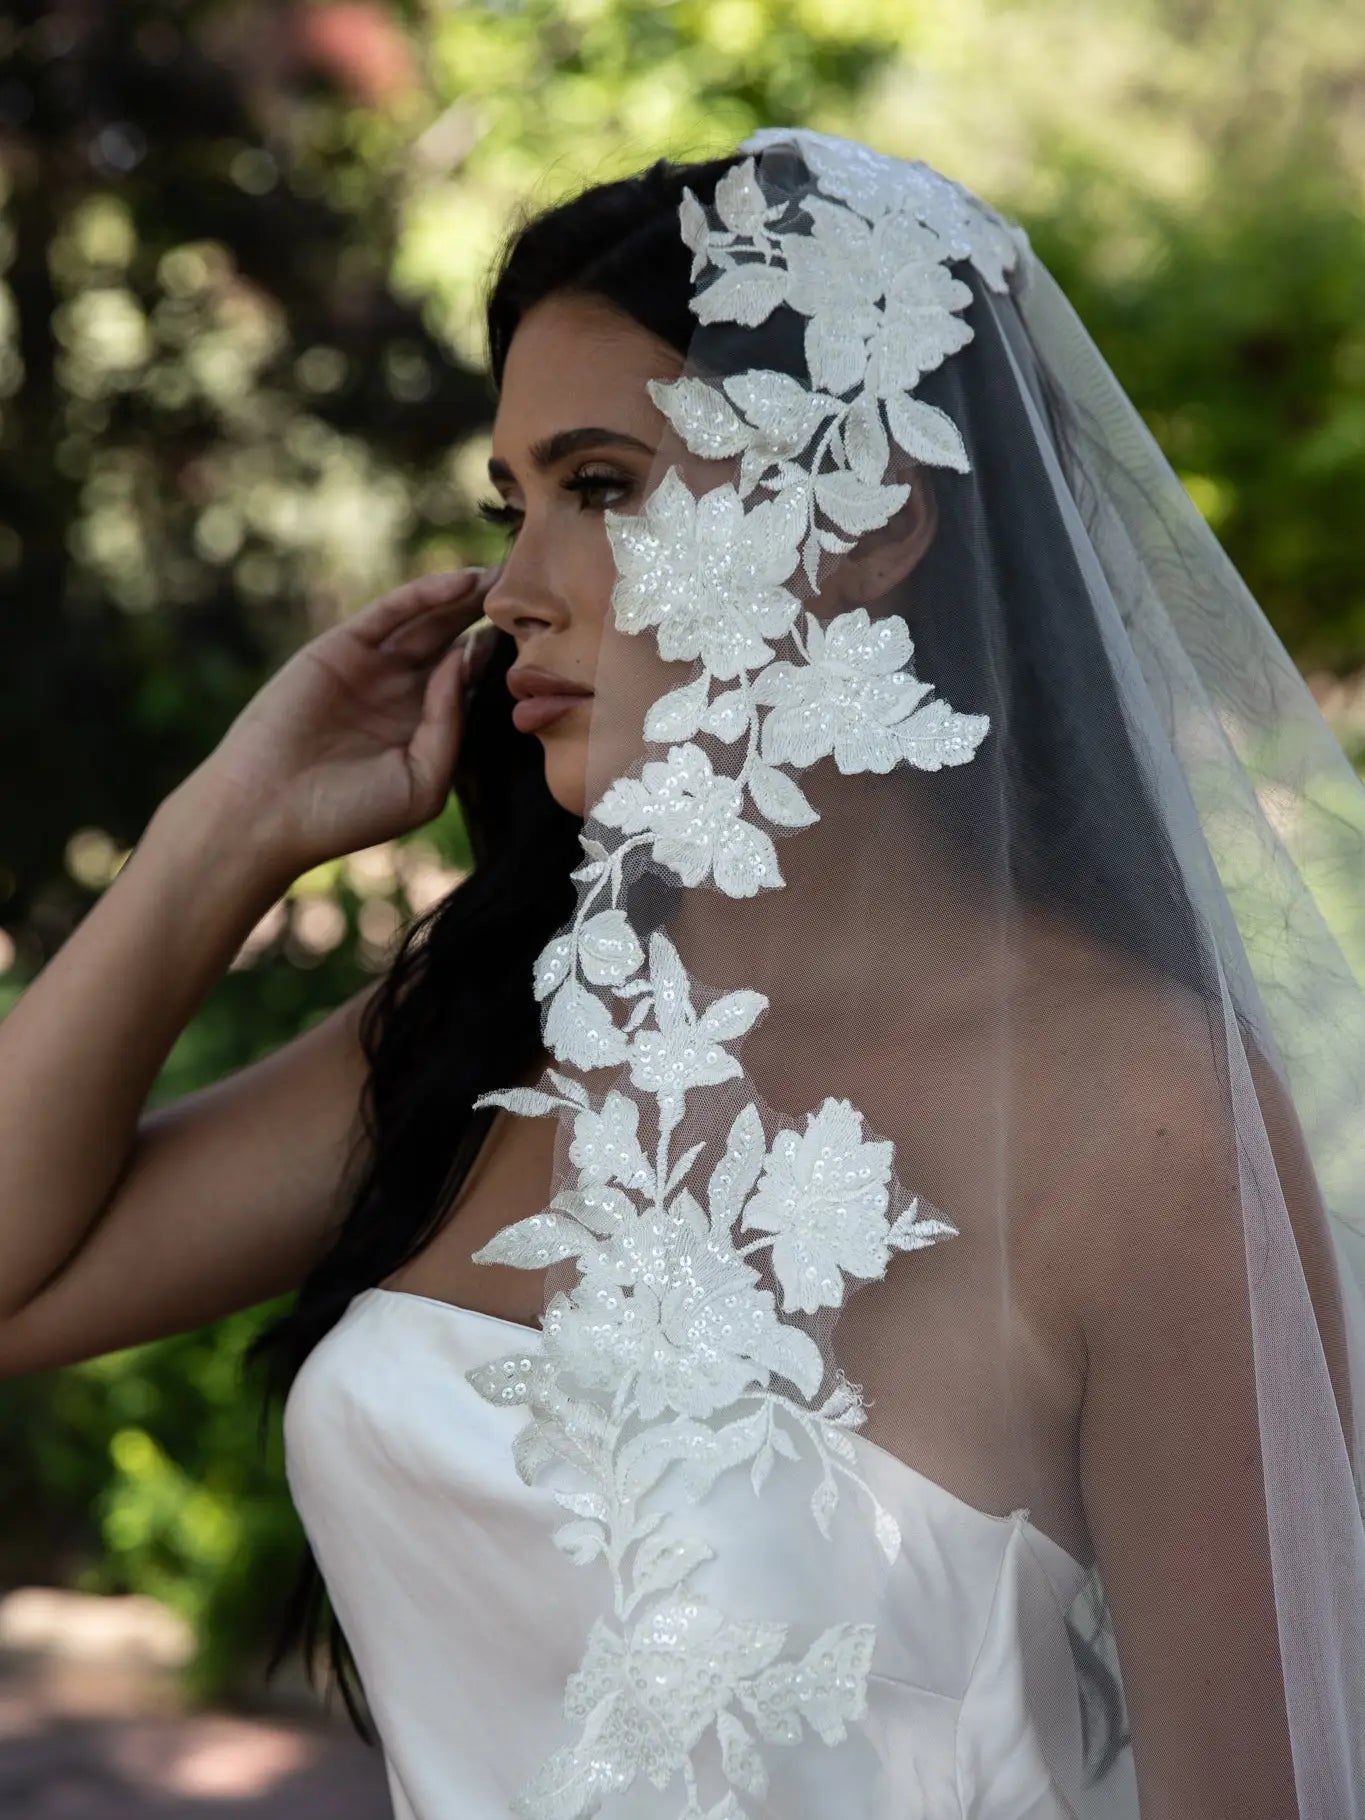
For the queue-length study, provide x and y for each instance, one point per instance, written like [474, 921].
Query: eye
[499, 513]
[590, 487]
[585, 484]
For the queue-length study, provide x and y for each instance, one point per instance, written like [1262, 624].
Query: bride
[828, 1269]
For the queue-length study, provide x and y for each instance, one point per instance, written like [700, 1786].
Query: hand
[353, 741]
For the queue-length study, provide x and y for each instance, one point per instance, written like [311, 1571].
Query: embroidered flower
[669, 1351]
[645, 1701]
[707, 573]
[673, 1310]
[824, 1194]
[846, 699]
[876, 184]
[697, 822]
[857, 698]
[606, 1144]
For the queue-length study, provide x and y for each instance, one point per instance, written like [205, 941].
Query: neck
[875, 933]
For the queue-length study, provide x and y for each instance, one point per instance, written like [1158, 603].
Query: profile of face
[576, 433]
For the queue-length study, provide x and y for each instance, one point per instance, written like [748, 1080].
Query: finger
[433, 746]
[424, 639]
[425, 634]
[446, 588]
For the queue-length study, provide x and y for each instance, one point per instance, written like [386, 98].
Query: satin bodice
[466, 1621]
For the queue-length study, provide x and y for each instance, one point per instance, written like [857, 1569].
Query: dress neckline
[436, 1301]
[1070, 1572]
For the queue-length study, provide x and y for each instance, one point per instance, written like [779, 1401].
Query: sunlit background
[241, 391]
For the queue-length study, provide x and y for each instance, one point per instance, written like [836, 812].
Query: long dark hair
[456, 1015]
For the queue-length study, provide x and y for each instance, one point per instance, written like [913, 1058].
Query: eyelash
[509, 517]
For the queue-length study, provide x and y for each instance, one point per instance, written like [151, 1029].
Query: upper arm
[227, 1199]
[1172, 1468]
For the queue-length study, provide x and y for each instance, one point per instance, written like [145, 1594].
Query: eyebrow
[551, 449]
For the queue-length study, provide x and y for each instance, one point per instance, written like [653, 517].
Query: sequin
[675, 1359]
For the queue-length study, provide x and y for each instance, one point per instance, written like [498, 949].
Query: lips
[539, 710]
[542, 696]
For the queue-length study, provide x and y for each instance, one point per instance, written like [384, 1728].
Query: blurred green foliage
[241, 250]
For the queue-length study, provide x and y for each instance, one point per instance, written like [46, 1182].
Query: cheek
[629, 678]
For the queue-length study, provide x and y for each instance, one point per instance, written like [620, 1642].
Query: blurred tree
[220, 426]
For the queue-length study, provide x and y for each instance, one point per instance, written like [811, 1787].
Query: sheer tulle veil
[958, 1053]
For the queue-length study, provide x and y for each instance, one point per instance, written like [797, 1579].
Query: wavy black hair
[441, 1030]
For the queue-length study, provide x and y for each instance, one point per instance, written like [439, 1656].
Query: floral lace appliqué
[671, 1362]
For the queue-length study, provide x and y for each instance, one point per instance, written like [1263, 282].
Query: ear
[884, 557]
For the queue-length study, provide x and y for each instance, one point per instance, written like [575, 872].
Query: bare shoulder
[1171, 1128]
[1129, 1168]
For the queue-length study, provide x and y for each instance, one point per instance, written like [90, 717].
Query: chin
[564, 778]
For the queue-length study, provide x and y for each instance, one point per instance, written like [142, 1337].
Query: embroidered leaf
[527, 1102]
[794, 1355]
[727, 1808]
[662, 1561]
[578, 1029]
[926, 433]
[912, 1233]
[748, 294]
[865, 443]
[856, 506]
[700, 415]
[739, 1758]
[530, 1451]
[779, 797]
[740, 201]
[727, 716]
[838, 1442]
[784, 1444]
[584, 1504]
[762, 1466]
[570, 1088]
[737, 1171]
[552, 965]
[602, 1210]
[888, 1533]
[510, 1379]
[581, 1541]
[647, 1456]
[595, 864]
[781, 408]
[836, 354]
[608, 948]
[530, 1244]
[683, 1164]
[824, 1500]
[678, 714]
[692, 221]
[715, 1452]
[937, 735]
[731, 1016]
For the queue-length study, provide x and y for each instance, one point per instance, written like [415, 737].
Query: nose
[521, 600]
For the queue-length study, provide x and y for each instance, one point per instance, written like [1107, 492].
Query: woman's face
[575, 433]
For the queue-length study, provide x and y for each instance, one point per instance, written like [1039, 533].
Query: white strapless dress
[465, 1620]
